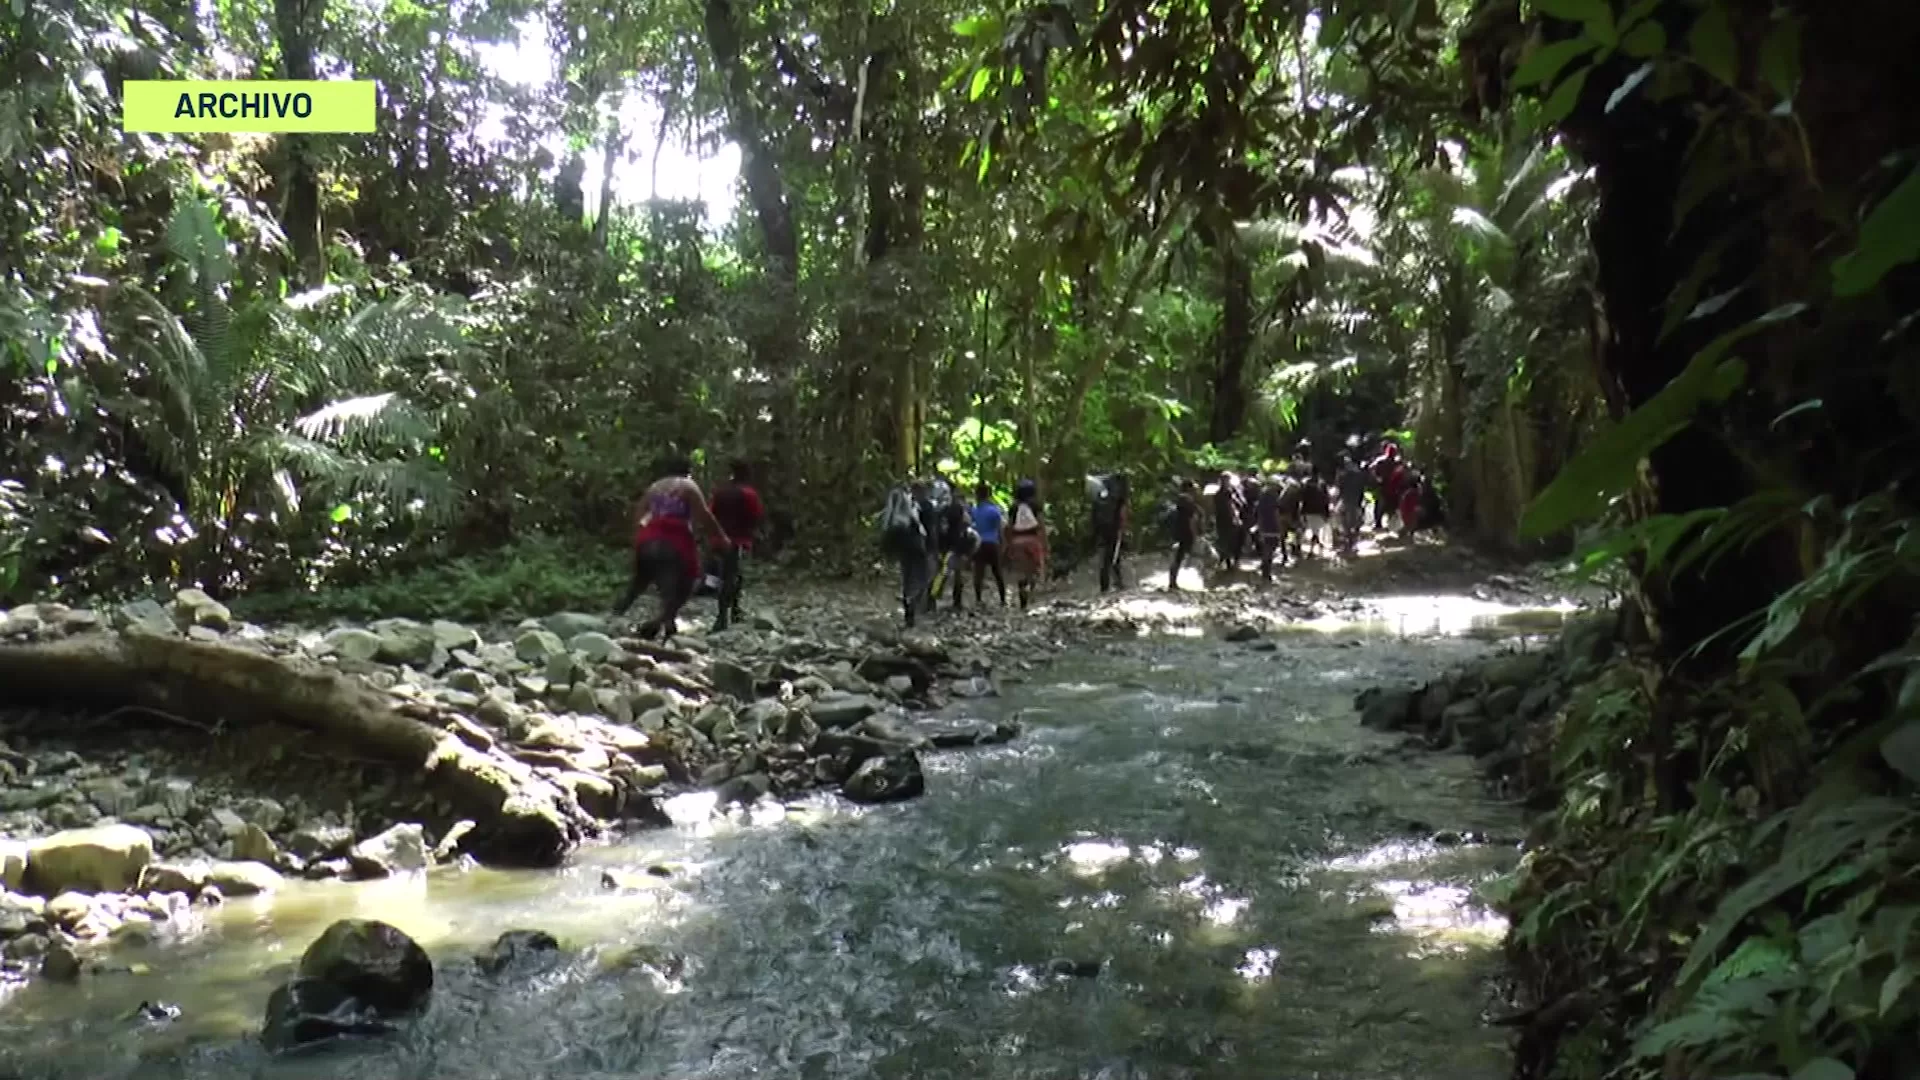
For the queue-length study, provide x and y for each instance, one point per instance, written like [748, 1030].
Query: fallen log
[521, 818]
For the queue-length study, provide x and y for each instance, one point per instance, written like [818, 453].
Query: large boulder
[372, 962]
[107, 858]
[516, 948]
[886, 778]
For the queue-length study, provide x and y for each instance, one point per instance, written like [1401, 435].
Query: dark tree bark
[296, 24]
[1233, 343]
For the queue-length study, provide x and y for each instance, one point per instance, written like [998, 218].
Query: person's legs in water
[1181, 549]
[662, 565]
[1268, 543]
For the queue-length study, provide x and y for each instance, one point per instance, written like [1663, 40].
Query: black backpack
[1108, 501]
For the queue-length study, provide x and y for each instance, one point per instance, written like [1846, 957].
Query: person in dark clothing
[737, 506]
[1316, 507]
[665, 556]
[1351, 482]
[1382, 469]
[1270, 524]
[1110, 528]
[988, 519]
[958, 543]
[1227, 520]
[1186, 530]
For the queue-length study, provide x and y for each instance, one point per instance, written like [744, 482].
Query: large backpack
[899, 519]
[1107, 499]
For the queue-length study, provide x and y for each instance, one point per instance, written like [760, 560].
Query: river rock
[169, 877]
[514, 948]
[352, 643]
[566, 624]
[303, 1011]
[403, 641]
[843, 710]
[60, 963]
[536, 646]
[104, 859]
[21, 914]
[145, 617]
[1386, 709]
[947, 733]
[733, 679]
[592, 645]
[453, 637]
[252, 844]
[1518, 669]
[400, 849]
[886, 778]
[320, 841]
[242, 878]
[372, 962]
[192, 607]
[13, 864]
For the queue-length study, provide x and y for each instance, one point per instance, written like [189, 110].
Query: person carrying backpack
[906, 534]
[1026, 541]
[1183, 522]
[1109, 526]
[958, 543]
[987, 520]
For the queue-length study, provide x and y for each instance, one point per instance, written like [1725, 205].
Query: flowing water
[1193, 864]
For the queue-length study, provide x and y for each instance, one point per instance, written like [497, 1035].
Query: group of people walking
[940, 537]
[937, 535]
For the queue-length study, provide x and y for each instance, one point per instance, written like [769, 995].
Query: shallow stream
[1194, 864]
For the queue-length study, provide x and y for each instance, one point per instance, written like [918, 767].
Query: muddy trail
[1193, 863]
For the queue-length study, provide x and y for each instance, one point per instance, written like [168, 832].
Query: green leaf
[1542, 64]
[341, 513]
[1889, 238]
[1712, 44]
[1608, 464]
[971, 26]
[1897, 982]
[986, 159]
[1901, 748]
[1644, 40]
[1823, 1069]
[1576, 10]
[1630, 85]
[1565, 96]
[108, 241]
[1780, 59]
[979, 87]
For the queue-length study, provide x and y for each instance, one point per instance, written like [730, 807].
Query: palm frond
[383, 419]
[383, 334]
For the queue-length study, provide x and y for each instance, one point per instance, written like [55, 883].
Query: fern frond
[384, 419]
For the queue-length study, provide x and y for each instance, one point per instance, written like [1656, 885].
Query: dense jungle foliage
[1637, 269]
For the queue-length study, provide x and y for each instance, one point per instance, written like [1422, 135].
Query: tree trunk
[1234, 344]
[616, 145]
[521, 818]
[296, 25]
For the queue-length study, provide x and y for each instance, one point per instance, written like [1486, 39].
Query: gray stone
[732, 679]
[372, 962]
[886, 778]
[567, 624]
[352, 643]
[453, 637]
[320, 841]
[841, 710]
[242, 878]
[404, 641]
[400, 849]
[593, 645]
[252, 844]
[145, 617]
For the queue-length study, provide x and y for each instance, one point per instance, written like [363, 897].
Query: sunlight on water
[1095, 857]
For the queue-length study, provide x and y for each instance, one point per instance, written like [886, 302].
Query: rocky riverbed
[121, 823]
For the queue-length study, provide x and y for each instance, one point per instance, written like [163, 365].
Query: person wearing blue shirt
[987, 519]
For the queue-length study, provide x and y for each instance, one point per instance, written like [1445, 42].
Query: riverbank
[1193, 855]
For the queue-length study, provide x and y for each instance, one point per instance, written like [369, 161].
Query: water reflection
[1239, 893]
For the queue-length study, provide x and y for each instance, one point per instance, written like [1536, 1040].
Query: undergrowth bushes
[534, 576]
[1737, 900]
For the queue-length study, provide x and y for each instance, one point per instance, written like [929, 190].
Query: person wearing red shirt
[739, 510]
